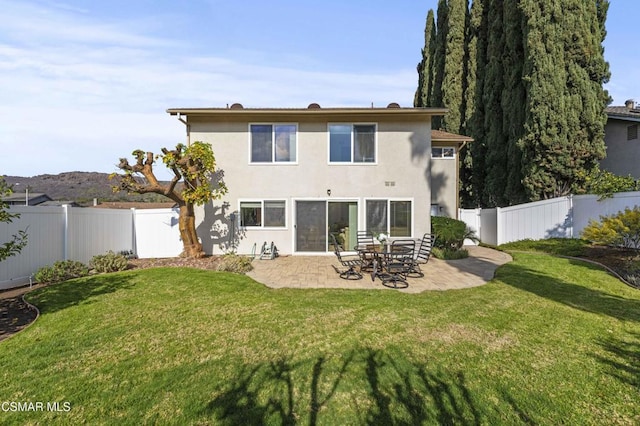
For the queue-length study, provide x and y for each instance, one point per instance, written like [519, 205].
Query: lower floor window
[390, 217]
[264, 213]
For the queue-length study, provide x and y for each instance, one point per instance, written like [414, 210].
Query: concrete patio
[319, 272]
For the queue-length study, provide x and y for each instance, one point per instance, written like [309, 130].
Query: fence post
[65, 236]
[499, 230]
[571, 215]
[134, 247]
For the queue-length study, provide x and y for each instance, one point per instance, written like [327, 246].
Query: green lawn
[549, 341]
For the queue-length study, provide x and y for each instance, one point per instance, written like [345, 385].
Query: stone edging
[605, 267]
[35, 308]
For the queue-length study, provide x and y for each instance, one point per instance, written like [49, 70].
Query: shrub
[62, 270]
[233, 263]
[621, 229]
[449, 254]
[450, 233]
[110, 262]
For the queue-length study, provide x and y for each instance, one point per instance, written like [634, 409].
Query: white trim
[389, 200]
[453, 157]
[351, 162]
[262, 201]
[360, 207]
[273, 161]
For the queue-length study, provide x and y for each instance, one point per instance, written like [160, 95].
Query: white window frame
[262, 209]
[442, 156]
[351, 162]
[388, 225]
[273, 145]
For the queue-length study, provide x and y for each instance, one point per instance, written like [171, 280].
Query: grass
[549, 341]
[556, 246]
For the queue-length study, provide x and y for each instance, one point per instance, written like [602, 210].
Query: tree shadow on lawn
[622, 357]
[57, 297]
[376, 388]
[571, 294]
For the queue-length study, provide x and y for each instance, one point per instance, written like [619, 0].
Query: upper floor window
[273, 143]
[443, 152]
[352, 143]
[632, 132]
[263, 213]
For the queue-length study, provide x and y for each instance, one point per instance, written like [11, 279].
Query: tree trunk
[187, 225]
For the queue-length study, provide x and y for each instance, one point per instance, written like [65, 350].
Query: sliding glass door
[315, 220]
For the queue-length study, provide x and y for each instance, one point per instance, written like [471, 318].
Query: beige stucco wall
[444, 185]
[403, 157]
[623, 156]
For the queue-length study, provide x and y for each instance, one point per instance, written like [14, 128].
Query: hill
[81, 187]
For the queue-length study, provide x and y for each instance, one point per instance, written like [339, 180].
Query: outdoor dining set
[393, 262]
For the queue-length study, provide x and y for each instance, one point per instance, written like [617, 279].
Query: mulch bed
[15, 314]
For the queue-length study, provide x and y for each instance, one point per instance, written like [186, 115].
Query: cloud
[80, 94]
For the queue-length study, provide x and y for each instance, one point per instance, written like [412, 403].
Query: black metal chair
[422, 255]
[398, 261]
[365, 239]
[351, 262]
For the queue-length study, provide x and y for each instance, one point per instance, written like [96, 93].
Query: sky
[85, 82]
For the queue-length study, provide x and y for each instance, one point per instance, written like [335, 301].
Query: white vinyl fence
[563, 217]
[74, 233]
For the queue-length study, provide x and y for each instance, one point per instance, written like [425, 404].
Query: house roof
[442, 136]
[313, 110]
[628, 113]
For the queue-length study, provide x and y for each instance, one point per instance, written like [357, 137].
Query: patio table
[379, 254]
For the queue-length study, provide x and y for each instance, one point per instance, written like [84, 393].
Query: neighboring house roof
[134, 205]
[18, 198]
[60, 203]
[313, 110]
[628, 112]
[441, 136]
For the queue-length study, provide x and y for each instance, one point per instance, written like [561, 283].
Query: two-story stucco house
[296, 175]
[622, 140]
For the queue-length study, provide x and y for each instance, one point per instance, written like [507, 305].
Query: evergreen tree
[525, 81]
[564, 131]
[475, 124]
[496, 157]
[439, 60]
[452, 77]
[470, 70]
[425, 67]
[513, 100]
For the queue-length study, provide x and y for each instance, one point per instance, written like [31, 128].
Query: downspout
[188, 128]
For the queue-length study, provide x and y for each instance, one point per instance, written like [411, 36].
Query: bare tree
[193, 168]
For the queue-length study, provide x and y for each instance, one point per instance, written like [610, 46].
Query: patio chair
[422, 255]
[365, 238]
[398, 263]
[351, 262]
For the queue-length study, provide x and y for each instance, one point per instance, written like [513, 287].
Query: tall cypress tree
[496, 158]
[453, 78]
[513, 99]
[545, 139]
[425, 67]
[439, 59]
[476, 128]
[470, 73]
[530, 95]
[564, 131]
